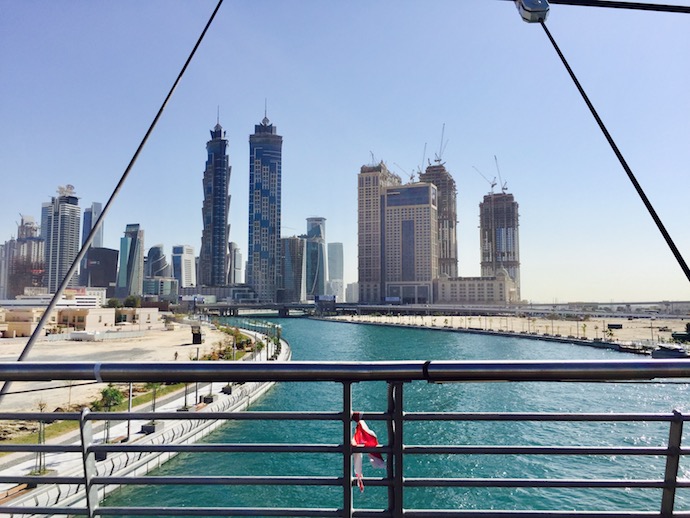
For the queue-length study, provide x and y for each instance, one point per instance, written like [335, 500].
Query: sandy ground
[639, 330]
[154, 346]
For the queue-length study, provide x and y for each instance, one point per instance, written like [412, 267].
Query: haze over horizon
[345, 81]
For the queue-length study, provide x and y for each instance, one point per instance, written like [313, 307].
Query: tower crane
[491, 182]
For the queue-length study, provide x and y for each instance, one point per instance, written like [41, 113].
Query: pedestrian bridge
[395, 481]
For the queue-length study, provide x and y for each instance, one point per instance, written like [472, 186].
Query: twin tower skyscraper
[265, 170]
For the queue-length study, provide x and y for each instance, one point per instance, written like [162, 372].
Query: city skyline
[492, 79]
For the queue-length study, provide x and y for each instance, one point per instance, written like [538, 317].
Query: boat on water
[670, 351]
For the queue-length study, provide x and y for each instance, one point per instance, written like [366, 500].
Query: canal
[313, 340]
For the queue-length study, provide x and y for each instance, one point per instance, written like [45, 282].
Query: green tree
[132, 302]
[114, 303]
[110, 397]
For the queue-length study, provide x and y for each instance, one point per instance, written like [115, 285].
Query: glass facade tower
[60, 231]
[213, 258]
[265, 170]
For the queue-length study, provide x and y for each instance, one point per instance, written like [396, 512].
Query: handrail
[127, 463]
[432, 371]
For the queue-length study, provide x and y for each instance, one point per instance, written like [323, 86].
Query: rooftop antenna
[265, 107]
[504, 185]
[218, 115]
[439, 156]
[491, 182]
[373, 158]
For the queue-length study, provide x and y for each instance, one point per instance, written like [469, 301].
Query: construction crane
[504, 185]
[491, 182]
[442, 148]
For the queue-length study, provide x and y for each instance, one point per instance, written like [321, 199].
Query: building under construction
[500, 244]
[447, 218]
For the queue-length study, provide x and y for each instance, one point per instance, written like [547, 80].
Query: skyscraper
[447, 218]
[316, 273]
[410, 240]
[335, 271]
[184, 265]
[130, 276]
[373, 180]
[265, 170]
[27, 264]
[294, 257]
[157, 263]
[213, 258]
[60, 232]
[500, 245]
[91, 215]
[235, 265]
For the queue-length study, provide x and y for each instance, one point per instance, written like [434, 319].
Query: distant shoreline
[635, 336]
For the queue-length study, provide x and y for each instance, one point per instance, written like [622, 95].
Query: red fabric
[364, 436]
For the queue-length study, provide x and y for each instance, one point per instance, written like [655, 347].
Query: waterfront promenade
[643, 332]
[199, 397]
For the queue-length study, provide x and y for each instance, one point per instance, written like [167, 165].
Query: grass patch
[60, 427]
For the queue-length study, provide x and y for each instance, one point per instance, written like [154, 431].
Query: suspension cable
[106, 208]
[640, 6]
[627, 169]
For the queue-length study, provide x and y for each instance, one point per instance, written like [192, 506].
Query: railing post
[347, 449]
[395, 439]
[672, 462]
[89, 460]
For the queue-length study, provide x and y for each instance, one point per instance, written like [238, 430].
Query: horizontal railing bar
[433, 371]
[533, 450]
[46, 417]
[35, 448]
[39, 480]
[468, 513]
[221, 481]
[48, 511]
[224, 448]
[542, 416]
[536, 483]
[216, 511]
[227, 416]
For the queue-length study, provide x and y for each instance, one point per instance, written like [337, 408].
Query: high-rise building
[102, 268]
[91, 215]
[60, 232]
[235, 267]
[372, 181]
[130, 276]
[336, 284]
[213, 257]
[447, 218]
[410, 239]
[184, 265]
[27, 263]
[265, 170]
[157, 263]
[294, 257]
[500, 244]
[316, 272]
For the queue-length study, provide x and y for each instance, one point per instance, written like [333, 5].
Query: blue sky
[80, 82]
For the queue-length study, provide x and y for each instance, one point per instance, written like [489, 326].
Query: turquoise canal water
[318, 340]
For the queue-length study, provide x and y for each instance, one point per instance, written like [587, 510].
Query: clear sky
[80, 82]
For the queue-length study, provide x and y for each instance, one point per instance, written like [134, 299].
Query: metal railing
[80, 492]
